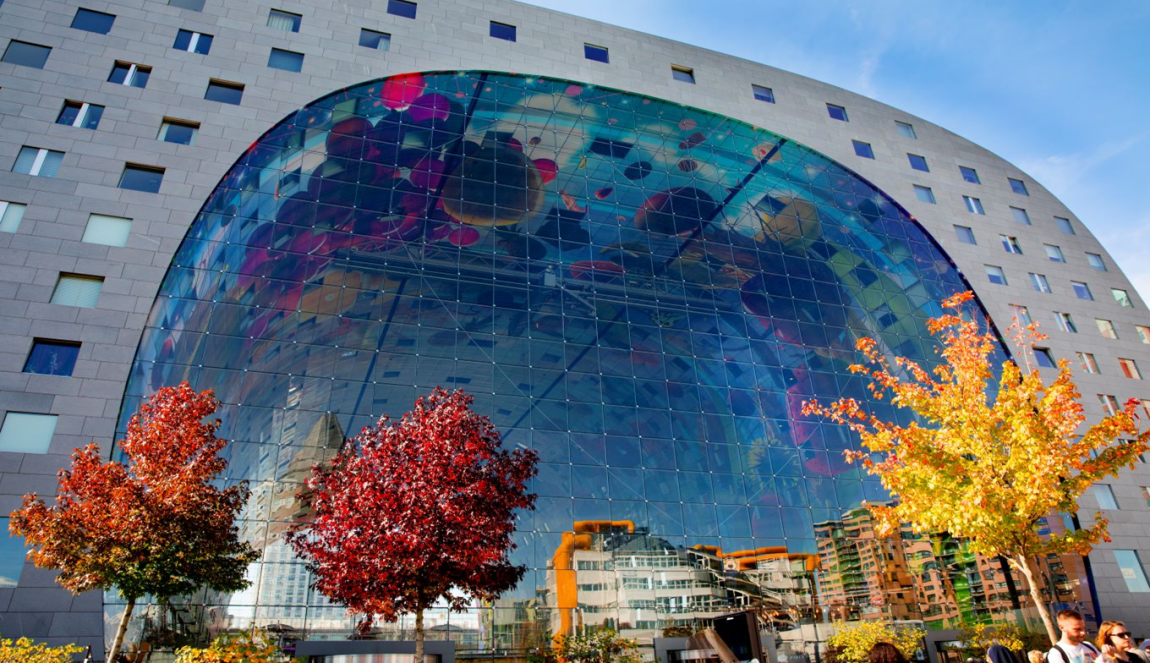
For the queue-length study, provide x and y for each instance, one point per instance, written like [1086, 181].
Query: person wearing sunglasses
[1117, 644]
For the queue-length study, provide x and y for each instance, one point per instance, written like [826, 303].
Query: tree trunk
[419, 636]
[1024, 564]
[119, 639]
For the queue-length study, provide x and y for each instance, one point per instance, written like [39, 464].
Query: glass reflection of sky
[643, 292]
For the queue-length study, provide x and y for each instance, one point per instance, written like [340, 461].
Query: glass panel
[26, 160]
[227, 93]
[1018, 186]
[1082, 290]
[918, 163]
[10, 216]
[969, 175]
[965, 235]
[138, 178]
[12, 553]
[28, 55]
[1020, 215]
[285, 21]
[1122, 297]
[1064, 225]
[52, 357]
[77, 290]
[178, 132]
[1132, 571]
[924, 194]
[286, 60]
[973, 205]
[92, 21]
[380, 41]
[193, 5]
[401, 8]
[765, 94]
[502, 31]
[1054, 253]
[837, 112]
[905, 130]
[596, 53]
[863, 149]
[683, 74]
[108, 230]
[27, 433]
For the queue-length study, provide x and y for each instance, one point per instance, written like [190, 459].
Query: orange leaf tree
[155, 526]
[980, 462]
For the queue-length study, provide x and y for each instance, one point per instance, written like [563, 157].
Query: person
[1117, 644]
[885, 652]
[1073, 647]
[1035, 656]
[1000, 654]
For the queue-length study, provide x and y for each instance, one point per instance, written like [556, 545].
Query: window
[380, 41]
[683, 74]
[1065, 322]
[91, 21]
[837, 112]
[178, 131]
[1132, 571]
[1122, 297]
[193, 5]
[80, 114]
[1018, 186]
[286, 21]
[1082, 290]
[401, 8]
[141, 178]
[1130, 369]
[924, 194]
[596, 53]
[107, 230]
[918, 163]
[38, 161]
[286, 60]
[764, 94]
[26, 54]
[1039, 282]
[1143, 333]
[193, 42]
[52, 357]
[133, 75]
[1105, 496]
[1095, 261]
[1020, 215]
[1146, 494]
[905, 130]
[1022, 314]
[77, 290]
[24, 432]
[1044, 359]
[863, 150]
[1086, 360]
[1106, 328]
[504, 31]
[1109, 404]
[969, 175]
[1010, 244]
[1054, 253]
[965, 235]
[1064, 225]
[973, 205]
[12, 554]
[224, 92]
[995, 275]
[10, 216]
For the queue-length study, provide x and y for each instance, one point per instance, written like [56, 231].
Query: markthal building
[640, 257]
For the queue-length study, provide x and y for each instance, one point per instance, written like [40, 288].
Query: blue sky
[1060, 89]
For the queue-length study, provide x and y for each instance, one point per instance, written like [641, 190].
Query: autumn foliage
[25, 650]
[416, 511]
[982, 461]
[253, 646]
[153, 526]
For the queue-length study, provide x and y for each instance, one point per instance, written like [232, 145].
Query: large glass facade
[642, 292]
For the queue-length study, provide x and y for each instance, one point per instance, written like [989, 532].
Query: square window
[1010, 244]
[380, 41]
[596, 53]
[1064, 225]
[38, 161]
[995, 274]
[178, 131]
[224, 92]
[965, 235]
[193, 42]
[24, 432]
[1022, 315]
[1132, 572]
[1054, 253]
[10, 216]
[80, 114]
[969, 175]
[1018, 186]
[837, 113]
[133, 75]
[764, 94]
[1082, 290]
[191, 5]
[1109, 404]
[1122, 297]
[26, 54]
[918, 163]
[1095, 261]
[1044, 359]
[504, 31]
[1039, 282]
[1065, 322]
[401, 8]
[1143, 333]
[1088, 364]
[1020, 215]
[862, 149]
[52, 357]
[683, 74]
[286, 60]
[286, 21]
[1106, 328]
[92, 21]
[924, 194]
[141, 178]
[904, 129]
[107, 230]
[1105, 496]
[973, 205]
[77, 290]
[1130, 369]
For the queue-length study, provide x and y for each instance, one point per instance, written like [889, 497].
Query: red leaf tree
[417, 511]
[154, 526]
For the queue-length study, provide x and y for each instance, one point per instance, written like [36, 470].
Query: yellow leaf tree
[984, 463]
